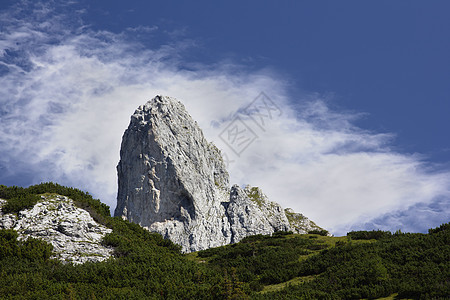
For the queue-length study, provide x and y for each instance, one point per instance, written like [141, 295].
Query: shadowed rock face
[172, 181]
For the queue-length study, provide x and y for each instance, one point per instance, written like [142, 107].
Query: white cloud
[69, 92]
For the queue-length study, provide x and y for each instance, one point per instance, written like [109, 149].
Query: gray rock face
[250, 212]
[75, 236]
[299, 223]
[172, 181]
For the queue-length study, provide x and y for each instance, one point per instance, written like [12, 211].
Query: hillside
[282, 266]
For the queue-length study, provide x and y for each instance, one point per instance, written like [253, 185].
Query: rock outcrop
[299, 223]
[250, 212]
[174, 182]
[171, 180]
[75, 236]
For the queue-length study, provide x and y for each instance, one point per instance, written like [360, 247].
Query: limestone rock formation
[174, 182]
[250, 212]
[74, 234]
[299, 223]
[171, 180]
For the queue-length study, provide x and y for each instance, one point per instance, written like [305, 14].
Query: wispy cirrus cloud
[68, 92]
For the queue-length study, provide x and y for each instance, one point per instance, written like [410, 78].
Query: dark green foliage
[365, 265]
[322, 232]
[20, 198]
[443, 227]
[261, 259]
[31, 249]
[146, 266]
[415, 266]
[281, 233]
[142, 239]
[369, 235]
[412, 265]
[16, 204]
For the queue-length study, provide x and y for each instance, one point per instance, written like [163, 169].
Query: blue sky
[389, 59]
[362, 86]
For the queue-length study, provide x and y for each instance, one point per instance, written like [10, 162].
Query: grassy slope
[320, 267]
[284, 266]
[329, 241]
[303, 246]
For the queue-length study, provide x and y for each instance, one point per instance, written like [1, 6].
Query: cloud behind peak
[69, 90]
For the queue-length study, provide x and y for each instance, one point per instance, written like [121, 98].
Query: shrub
[443, 227]
[16, 204]
[369, 235]
[281, 233]
[319, 232]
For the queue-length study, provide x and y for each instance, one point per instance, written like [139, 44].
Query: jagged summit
[173, 181]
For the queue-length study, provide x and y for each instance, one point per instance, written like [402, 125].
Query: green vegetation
[365, 264]
[369, 235]
[20, 202]
[145, 266]
[322, 232]
[255, 196]
[31, 249]
[411, 265]
[20, 198]
[293, 217]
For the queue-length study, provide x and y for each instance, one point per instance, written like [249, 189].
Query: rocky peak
[172, 181]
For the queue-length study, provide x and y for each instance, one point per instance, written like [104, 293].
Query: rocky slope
[173, 181]
[74, 234]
